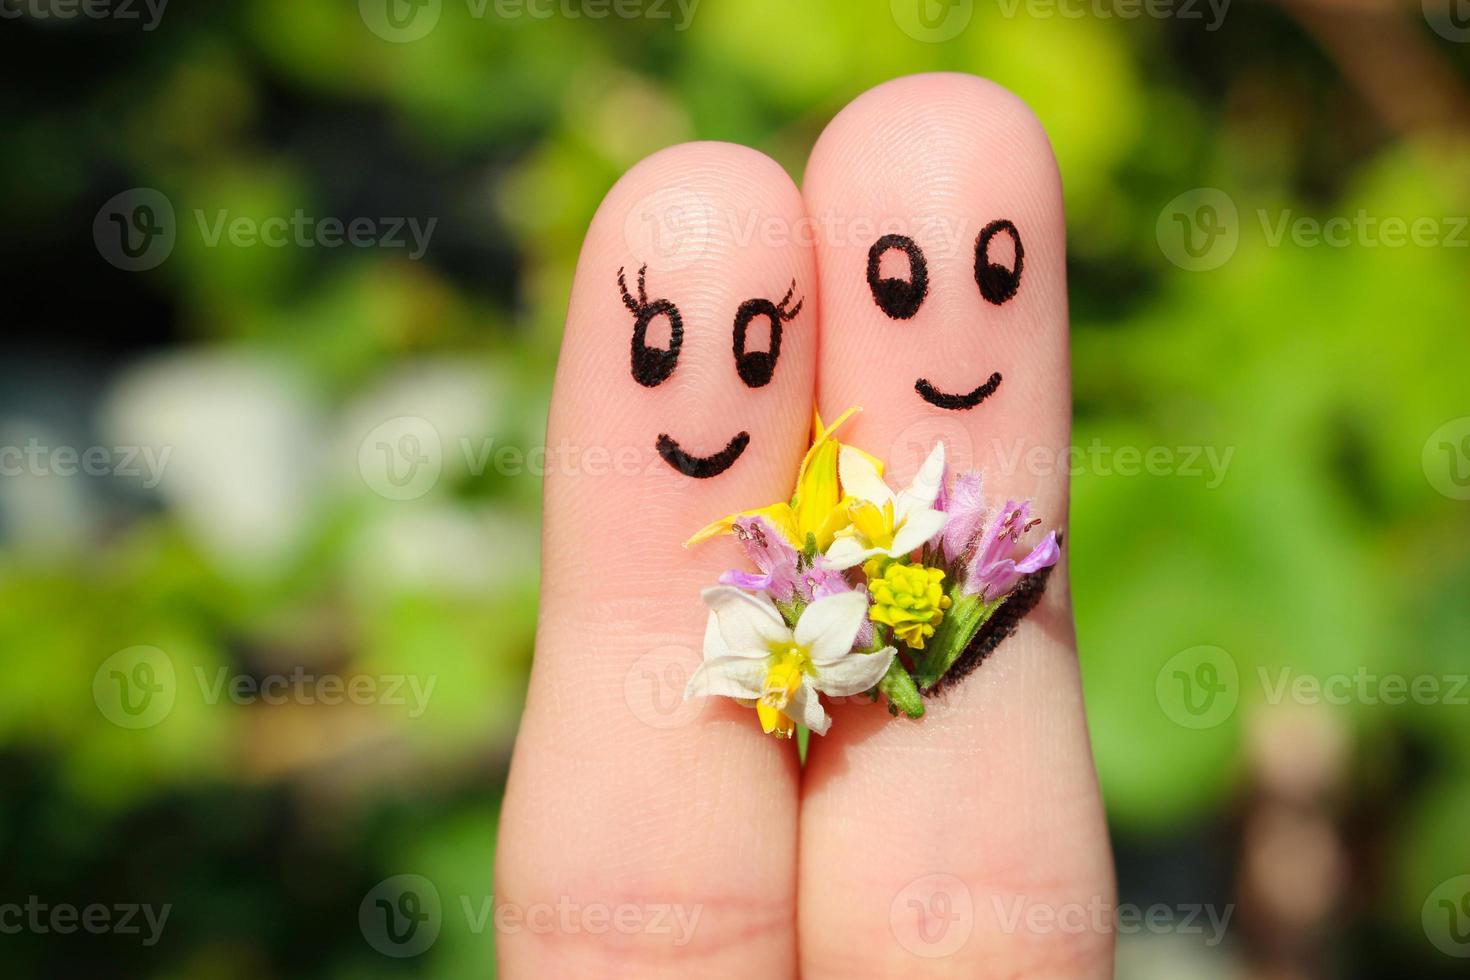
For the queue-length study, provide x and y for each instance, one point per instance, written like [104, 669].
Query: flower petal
[847, 552]
[731, 677]
[779, 514]
[749, 624]
[1042, 556]
[924, 487]
[860, 478]
[853, 674]
[766, 547]
[714, 643]
[965, 505]
[806, 708]
[828, 626]
[917, 531]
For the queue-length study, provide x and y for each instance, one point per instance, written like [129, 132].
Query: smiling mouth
[702, 467]
[957, 403]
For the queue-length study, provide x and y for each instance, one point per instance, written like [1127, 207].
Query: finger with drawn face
[944, 315]
[683, 393]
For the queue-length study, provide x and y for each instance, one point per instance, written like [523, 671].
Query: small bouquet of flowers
[862, 590]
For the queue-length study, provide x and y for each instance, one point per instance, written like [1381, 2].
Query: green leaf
[899, 687]
[961, 622]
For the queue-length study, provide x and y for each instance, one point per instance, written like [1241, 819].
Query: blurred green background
[1240, 623]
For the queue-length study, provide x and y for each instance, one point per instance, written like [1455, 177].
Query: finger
[671, 823]
[920, 839]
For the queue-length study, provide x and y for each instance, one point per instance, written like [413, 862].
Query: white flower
[884, 522]
[752, 655]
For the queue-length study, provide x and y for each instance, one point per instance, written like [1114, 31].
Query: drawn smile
[702, 467]
[956, 403]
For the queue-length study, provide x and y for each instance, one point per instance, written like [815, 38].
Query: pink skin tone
[904, 847]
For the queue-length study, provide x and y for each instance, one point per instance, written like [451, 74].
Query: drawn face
[901, 298]
[652, 366]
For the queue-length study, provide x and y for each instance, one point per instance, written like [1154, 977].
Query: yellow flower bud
[911, 600]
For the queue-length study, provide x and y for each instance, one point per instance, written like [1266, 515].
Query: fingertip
[944, 272]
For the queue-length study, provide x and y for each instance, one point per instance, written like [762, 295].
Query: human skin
[968, 843]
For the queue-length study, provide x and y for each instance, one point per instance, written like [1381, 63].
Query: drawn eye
[997, 282]
[899, 298]
[756, 367]
[652, 365]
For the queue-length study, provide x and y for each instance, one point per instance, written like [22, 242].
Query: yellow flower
[817, 507]
[910, 599]
[780, 685]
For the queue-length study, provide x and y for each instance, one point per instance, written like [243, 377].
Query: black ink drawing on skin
[651, 365]
[899, 298]
[702, 467]
[997, 284]
[756, 367]
[957, 403]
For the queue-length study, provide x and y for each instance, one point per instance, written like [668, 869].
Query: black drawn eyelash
[651, 365]
[756, 367]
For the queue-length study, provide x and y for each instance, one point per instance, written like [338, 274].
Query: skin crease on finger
[944, 316]
[683, 392]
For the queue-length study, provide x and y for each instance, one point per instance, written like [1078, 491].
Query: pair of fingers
[646, 837]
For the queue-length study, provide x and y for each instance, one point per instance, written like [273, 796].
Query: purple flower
[992, 572]
[965, 505]
[771, 553]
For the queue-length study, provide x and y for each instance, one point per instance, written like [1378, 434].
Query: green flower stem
[961, 622]
[899, 688]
